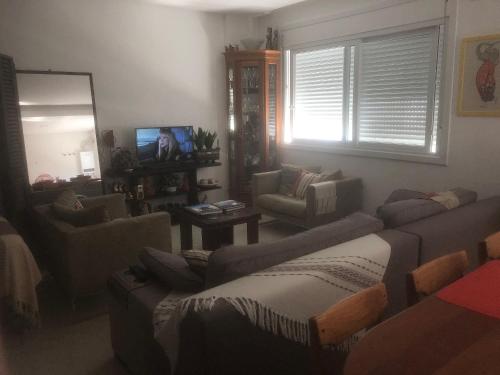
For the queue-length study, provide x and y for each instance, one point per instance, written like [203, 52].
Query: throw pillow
[69, 199]
[290, 174]
[197, 260]
[171, 269]
[307, 179]
[81, 217]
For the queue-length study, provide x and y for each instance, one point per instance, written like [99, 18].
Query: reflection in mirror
[59, 127]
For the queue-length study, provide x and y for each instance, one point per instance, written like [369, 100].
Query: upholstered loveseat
[82, 258]
[323, 202]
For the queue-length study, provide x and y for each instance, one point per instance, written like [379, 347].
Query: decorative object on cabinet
[170, 183]
[122, 160]
[252, 43]
[231, 48]
[204, 141]
[269, 38]
[276, 40]
[254, 116]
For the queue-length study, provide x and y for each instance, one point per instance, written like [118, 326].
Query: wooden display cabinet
[254, 108]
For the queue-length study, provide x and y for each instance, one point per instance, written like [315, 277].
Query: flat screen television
[164, 144]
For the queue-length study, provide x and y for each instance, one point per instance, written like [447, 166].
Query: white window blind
[318, 80]
[396, 89]
[375, 94]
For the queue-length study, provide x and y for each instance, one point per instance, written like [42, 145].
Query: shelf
[159, 169]
[180, 193]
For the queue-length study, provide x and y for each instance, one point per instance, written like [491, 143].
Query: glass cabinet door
[251, 118]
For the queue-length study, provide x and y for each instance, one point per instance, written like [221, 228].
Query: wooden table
[218, 230]
[432, 337]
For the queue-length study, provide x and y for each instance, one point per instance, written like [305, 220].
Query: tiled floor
[77, 342]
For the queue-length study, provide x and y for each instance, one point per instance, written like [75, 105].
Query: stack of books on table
[230, 205]
[204, 209]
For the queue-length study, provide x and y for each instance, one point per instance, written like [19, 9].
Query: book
[229, 205]
[204, 209]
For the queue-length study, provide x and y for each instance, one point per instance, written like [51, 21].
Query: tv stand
[133, 177]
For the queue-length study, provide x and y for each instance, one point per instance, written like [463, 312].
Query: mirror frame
[94, 111]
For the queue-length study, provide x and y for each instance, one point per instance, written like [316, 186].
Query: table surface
[432, 337]
[237, 217]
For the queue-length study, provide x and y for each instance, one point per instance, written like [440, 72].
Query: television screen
[164, 143]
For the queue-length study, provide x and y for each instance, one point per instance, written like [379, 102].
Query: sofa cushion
[81, 217]
[289, 176]
[406, 211]
[197, 260]
[232, 262]
[69, 200]
[282, 204]
[173, 270]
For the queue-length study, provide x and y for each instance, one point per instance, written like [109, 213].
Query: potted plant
[204, 141]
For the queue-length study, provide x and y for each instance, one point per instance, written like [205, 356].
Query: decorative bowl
[252, 43]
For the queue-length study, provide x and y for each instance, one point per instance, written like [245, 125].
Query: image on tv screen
[164, 144]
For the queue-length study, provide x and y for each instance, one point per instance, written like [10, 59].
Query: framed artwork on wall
[479, 85]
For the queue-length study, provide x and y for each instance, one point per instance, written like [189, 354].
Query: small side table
[218, 230]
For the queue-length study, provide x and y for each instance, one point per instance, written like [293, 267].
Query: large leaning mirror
[59, 127]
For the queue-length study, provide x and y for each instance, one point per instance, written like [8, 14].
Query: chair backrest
[346, 318]
[490, 248]
[436, 274]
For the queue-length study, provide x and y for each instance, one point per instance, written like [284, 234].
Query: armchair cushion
[69, 200]
[283, 204]
[115, 204]
[81, 217]
[171, 269]
[289, 176]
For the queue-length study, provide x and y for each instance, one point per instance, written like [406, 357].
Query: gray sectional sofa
[221, 341]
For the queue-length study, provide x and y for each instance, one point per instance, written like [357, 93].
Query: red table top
[478, 291]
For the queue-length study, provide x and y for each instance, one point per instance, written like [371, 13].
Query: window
[379, 94]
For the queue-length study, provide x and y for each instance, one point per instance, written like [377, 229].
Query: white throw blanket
[283, 298]
[19, 276]
[447, 198]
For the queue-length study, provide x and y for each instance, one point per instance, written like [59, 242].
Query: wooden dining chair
[347, 317]
[489, 248]
[436, 274]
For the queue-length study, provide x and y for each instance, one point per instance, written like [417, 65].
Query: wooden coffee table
[218, 230]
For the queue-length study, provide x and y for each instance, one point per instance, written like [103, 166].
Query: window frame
[354, 147]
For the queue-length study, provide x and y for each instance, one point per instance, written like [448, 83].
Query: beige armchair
[325, 201]
[82, 258]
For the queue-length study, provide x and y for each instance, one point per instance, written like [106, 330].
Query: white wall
[151, 64]
[474, 143]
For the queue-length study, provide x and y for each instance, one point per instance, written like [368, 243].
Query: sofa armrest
[93, 252]
[321, 198]
[265, 183]
[349, 196]
[340, 197]
[115, 204]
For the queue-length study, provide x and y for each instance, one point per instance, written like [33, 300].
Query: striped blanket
[283, 298]
[19, 274]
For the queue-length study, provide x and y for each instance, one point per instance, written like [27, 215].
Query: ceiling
[250, 6]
